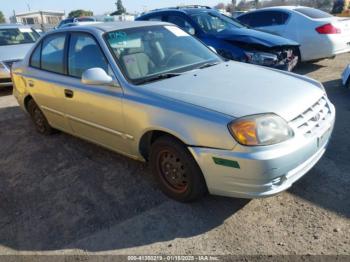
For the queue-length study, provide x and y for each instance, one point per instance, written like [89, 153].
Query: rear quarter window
[312, 13]
[35, 58]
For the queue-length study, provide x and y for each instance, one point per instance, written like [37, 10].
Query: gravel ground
[62, 195]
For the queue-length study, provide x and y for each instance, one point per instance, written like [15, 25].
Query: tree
[2, 18]
[120, 8]
[220, 6]
[338, 7]
[256, 3]
[79, 13]
[230, 8]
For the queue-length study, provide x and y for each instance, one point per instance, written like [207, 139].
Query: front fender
[194, 125]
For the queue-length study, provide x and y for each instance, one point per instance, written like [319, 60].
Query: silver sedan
[15, 41]
[152, 92]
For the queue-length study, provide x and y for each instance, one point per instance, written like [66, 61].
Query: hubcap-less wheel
[176, 171]
[172, 170]
[41, 124]
[39, 120]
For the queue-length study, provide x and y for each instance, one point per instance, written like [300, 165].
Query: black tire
[176, 171]
[39, 120]
[347, 84]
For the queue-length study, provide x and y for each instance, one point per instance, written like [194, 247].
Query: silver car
[152, 92]
[15, 41]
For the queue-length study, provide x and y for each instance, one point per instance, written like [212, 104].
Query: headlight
[261, 58]
[260, 130]
[2, 66]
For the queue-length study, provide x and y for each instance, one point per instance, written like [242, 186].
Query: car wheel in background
[176, 171]
[40, 121]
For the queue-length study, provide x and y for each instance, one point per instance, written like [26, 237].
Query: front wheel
[176, 171]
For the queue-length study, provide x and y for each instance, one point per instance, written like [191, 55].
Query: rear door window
[264, 18]
[52, 54]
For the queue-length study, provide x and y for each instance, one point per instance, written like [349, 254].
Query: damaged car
[231, 39]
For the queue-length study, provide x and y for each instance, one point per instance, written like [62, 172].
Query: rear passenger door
[46, 77]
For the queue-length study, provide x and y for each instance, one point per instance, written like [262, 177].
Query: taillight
[328, 29]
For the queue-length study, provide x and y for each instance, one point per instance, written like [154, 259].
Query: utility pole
[42, 21]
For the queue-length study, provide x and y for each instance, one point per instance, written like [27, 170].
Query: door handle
[68, 93]
[30, 83]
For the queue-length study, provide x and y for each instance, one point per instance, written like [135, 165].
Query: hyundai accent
[152, 92]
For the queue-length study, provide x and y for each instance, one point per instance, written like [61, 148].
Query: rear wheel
[39, 120]
[175, 170]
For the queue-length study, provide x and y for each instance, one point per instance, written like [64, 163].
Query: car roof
[182, 9]
[10, 26]
[113, 26]
[80, 23]
[284, 7]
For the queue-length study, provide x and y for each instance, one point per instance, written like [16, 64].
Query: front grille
[5, 80]
[313, 118]
[10, 63]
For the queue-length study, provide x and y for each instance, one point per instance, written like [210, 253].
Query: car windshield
[17, 36]
[153, 53]
[215, 23]
[313, 13]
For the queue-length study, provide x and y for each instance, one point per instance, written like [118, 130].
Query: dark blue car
[230, 38]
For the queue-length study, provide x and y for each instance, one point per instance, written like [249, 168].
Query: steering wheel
[173, 56]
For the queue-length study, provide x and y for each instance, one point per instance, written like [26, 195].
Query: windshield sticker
[176, 31]
[117, 39]
[25, 30]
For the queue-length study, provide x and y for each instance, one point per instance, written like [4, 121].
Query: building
[44, 20]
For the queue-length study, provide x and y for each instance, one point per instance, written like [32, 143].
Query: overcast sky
[97, 6]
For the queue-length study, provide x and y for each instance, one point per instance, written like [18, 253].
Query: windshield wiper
[208, 65]
[157, 77]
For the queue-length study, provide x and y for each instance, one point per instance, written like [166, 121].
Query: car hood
[250, 36]
[14, 52]
[239, 89]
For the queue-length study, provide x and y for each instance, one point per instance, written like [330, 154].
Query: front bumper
[289, 65]
[5, 78]
[261, 171]
[4, 82]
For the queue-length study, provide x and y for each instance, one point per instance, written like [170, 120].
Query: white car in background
[319, 34]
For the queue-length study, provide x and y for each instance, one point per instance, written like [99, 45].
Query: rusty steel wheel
[172, 170]
[176, 171]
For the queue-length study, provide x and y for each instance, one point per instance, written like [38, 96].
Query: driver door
[93, 112]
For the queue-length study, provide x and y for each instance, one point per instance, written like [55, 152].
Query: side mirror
[96, 76]
[213, 49]
[191, 31]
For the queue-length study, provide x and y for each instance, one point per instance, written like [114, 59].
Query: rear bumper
[327, 46]
[264, 173]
